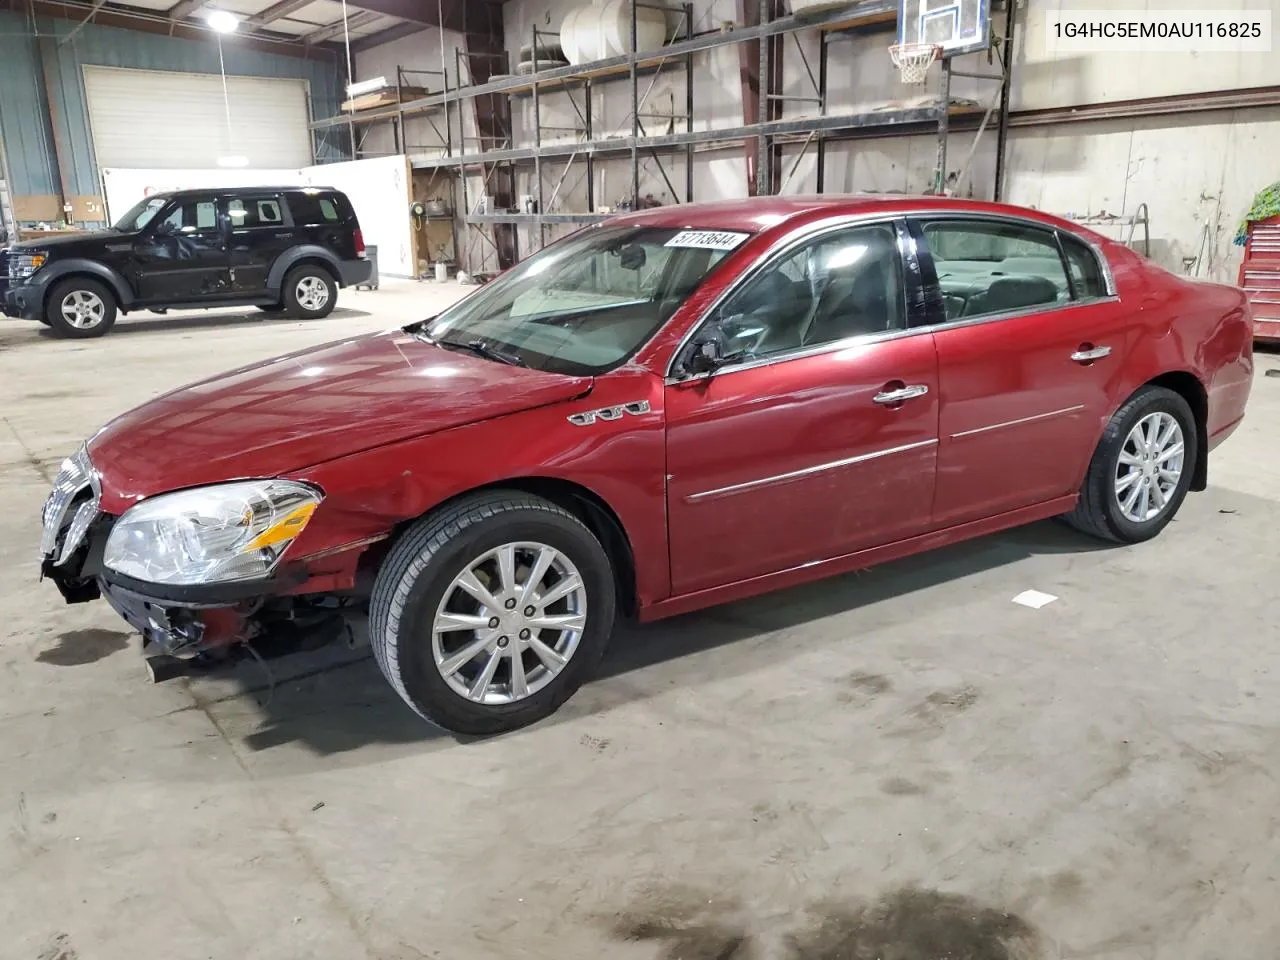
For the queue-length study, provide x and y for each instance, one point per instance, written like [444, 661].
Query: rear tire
[80, 308]
[1130, 493]
[419, 597]
[309, 292]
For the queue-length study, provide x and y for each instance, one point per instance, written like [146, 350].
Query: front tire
[1142, 469]
[80, 308]
[490, 614]
[310, 292]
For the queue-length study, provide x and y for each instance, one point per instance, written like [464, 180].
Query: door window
[990, 267]
[254, 212]
[1087, 280]
[191, 216]
[842, 284]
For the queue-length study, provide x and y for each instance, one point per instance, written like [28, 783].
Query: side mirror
[706, 355]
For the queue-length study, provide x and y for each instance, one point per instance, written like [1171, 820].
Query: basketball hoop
[913, 60]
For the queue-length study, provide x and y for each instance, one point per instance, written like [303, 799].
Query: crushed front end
[84, 548]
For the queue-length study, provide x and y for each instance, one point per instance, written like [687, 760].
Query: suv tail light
[359, 243]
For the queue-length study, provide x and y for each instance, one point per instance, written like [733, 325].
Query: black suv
[282, 249]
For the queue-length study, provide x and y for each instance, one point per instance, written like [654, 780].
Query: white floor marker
[1034, 599]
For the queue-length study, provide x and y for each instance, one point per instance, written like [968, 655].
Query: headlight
[23, 265]
[233, 531]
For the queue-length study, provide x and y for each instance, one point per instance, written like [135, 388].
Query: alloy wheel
[509, 623]
[82, 309]
[1150, 467]
[312, 293]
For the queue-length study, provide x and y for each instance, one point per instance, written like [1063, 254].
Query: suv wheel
[80, 307]
[309, 292]
[489, 615]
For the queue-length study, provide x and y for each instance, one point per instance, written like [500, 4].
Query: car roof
[231, 191]
[765, 213]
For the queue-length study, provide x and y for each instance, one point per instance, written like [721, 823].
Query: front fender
[78, 266]
[621, 461]
[293, 256]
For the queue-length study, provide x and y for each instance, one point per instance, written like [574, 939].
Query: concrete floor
[902, 764]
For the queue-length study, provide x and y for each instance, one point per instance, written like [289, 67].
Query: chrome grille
[76, 485]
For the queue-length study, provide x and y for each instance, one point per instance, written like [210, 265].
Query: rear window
[314, 209]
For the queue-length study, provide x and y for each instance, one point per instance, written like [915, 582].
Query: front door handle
[901, 394]
[1088, 354]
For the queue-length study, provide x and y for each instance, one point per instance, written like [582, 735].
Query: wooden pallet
[383, 98]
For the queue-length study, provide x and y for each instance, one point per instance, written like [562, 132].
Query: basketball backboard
[958, 26]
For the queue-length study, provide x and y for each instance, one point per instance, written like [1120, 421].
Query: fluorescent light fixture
[233, 161]
[222, 21]
[366, 86]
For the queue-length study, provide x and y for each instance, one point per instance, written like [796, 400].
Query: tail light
[359, 243]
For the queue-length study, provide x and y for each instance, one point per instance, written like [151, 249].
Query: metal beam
[884, 122]
[184, 8]
[404, 29]
[430, 13]
[277, 11]
[97, 5]
[358, 19]
[1249, 98]
[145, 21]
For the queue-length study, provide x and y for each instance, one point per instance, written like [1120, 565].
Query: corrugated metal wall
[24, 124]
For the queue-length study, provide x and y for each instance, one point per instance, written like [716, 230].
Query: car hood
[308, 407]
[61, 242]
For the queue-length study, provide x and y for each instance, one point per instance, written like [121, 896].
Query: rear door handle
[1087, 354]
[284, 236]
[901, 394]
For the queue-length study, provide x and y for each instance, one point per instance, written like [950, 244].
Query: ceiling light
[222, 21]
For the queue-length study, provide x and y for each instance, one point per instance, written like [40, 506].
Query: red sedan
[673, 409]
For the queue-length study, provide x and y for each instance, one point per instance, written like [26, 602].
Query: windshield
[588, 303]
[140, 214]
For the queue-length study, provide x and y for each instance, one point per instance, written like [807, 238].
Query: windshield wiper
[483, 349]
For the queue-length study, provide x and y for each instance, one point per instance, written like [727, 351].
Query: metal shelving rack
[773, 129]
[356, 123]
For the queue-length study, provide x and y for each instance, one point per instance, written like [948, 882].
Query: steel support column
[485, 42]
[944, 129]
[1002, 132]
[47, 54]
[749, 55]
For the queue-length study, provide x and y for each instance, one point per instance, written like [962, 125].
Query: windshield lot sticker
[707, 239]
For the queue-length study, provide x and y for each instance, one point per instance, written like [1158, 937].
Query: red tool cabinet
[1260, 277]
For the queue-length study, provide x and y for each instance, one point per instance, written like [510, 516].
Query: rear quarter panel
[1196, 327]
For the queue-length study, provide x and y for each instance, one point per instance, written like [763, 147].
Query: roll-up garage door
[151, 119]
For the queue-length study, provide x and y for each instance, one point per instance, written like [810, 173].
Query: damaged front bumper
[180, 622]
[300, 605]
